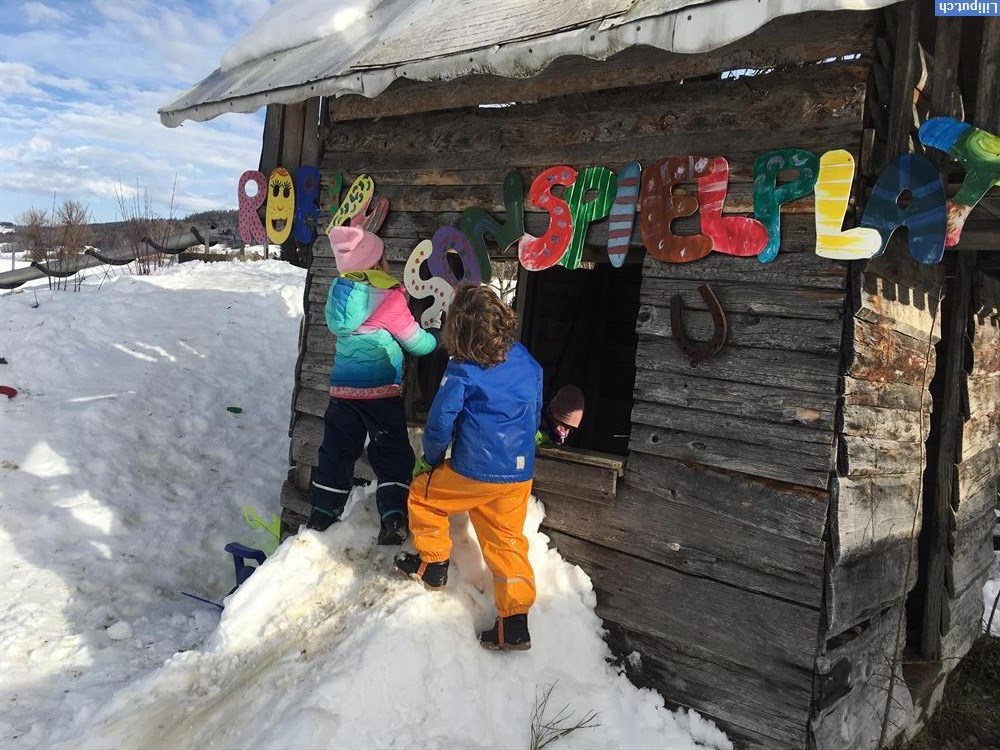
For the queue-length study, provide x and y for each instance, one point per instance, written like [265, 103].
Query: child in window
[367, 311]
[560, 417]
[487, 409]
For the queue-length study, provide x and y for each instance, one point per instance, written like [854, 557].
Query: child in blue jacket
[367, 311]
[487, 409]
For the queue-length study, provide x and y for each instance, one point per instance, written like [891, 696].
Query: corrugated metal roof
[436, 40]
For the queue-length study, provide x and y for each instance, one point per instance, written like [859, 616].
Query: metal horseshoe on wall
[699, 351]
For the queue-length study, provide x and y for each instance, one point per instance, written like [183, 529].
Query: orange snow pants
[497, 512]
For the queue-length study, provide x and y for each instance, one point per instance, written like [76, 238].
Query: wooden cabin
[793, 533]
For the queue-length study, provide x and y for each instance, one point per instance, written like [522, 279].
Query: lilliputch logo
[972, 8]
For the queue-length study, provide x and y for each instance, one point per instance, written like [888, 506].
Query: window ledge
[578, 474]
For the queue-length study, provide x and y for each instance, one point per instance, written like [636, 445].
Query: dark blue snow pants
[346, 424]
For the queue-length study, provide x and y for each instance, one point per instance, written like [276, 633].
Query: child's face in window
[562, 429]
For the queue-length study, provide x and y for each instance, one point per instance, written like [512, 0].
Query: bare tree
[72, 220]
[505, 278]
[136, 209]
[35, 231]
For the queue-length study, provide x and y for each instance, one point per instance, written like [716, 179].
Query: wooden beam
[312, 144]
[270, 151]
[804, 38]
[291, 142]
[904, 77]
[988, 89]
[949, 422]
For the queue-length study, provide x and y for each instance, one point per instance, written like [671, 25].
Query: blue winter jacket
[489, 415]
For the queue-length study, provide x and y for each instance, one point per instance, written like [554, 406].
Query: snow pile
[123, 477]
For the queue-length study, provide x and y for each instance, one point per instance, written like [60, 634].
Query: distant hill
[114, 234]
[220, 218]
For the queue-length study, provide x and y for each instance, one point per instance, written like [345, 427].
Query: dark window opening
[580, 326]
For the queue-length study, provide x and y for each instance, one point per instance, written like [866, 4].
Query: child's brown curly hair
[479, 328]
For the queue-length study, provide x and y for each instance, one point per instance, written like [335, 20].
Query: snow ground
[123, 477]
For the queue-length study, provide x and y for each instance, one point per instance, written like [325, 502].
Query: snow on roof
[335, 47]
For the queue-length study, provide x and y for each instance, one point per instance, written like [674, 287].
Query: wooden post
[270, 149]
[311, 145]
[291, 141]
[955, 317]
[955, 323]
[904, 79]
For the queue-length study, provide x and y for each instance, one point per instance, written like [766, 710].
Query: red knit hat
[354, 249]
[567, 405]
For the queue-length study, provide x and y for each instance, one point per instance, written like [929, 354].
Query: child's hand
[421, 467]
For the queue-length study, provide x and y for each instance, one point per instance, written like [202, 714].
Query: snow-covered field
[122, 477]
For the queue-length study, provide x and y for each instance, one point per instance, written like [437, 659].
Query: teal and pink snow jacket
[367, 313]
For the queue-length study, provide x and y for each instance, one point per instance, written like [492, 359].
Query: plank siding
[728, 529]
[761, 537]
[686, 629]
[891, 353]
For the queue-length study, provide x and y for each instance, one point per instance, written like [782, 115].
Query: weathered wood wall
[977, 480]
[709, 561]
[875, 511]
[975, 472]
[905, 562]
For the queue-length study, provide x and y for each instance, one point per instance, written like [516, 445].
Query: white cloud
[39, 13]
[15, 79]
[81, 95]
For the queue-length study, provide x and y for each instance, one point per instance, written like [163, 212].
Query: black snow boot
[507, 634]
[393, 529]
[432, 575]
[320, 519]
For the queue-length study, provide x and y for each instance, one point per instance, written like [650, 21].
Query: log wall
[712, 560]
[917, 431]
[876, 505]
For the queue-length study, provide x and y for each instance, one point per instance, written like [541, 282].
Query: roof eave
[692, 29]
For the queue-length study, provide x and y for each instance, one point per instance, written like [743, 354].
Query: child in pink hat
[367, 312]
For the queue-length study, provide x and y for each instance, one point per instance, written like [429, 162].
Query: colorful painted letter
[307, 180]
[924, 218]
[732, 235]
[372, 216]
[251, 230]
[359, 195]
[583, 212]
[333, 192]
[435, 287]
[833, 190]
[476, 223]
[280, 205]
[658, 207]
[539, 253]
[622, 217]
[452, 240]
[977, 151]
[768, 195]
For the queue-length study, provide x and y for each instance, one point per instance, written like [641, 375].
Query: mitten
[421, 467]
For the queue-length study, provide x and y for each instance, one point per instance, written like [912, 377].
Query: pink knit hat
[354, 249]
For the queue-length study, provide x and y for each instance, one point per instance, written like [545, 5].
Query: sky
[80, 85]
[142, 425]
